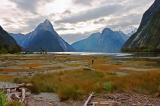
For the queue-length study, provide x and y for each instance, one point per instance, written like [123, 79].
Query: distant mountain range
[7, 43]
[44, 37]
[147, 37]
[107, 41]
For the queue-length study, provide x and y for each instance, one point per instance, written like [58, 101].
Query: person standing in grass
[92, 61]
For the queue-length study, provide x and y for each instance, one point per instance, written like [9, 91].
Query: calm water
[91, 54]
[123, 55]
[127, 55]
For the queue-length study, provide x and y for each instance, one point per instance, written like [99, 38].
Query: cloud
[68, 12]
[101, 20]
[83, 2]
[73, 19]
[63, 29]
[110, 8]
[122, 21]
[29, 5]
[33, 22]
[102, 11]
[71, 38]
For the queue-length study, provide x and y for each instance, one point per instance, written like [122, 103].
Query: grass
[68, 85]
[108, 87]
[15, 103]
[140, 82]
[106, 75]
[31, 65]
[76, 84]
[4, 101]
[7, 77]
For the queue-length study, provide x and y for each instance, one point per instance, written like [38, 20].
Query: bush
[108, 87]
[3, 50]
[34, 89]
[69, 92]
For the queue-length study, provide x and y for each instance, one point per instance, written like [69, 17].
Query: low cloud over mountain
[77, 15]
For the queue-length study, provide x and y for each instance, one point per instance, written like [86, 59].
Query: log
[23, 94]
[89, 99]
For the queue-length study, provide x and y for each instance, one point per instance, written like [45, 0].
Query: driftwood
[89, 99]
[23, 94]
[17, 92]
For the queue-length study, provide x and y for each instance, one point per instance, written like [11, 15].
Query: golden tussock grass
[76, 84]
[8, 70]
[31, 65]
[103, 76]
[6, 77]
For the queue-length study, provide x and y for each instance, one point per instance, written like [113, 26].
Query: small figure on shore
[43, 51]
[92, 61]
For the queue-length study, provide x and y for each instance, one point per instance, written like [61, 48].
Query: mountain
[44, 37]
[20, 38]
[107, 41]
[147, 37]
[131, 32]
[7, 43]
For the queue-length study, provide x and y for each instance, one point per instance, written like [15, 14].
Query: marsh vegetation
[73, 77]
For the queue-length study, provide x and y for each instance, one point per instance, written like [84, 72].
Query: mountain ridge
[44, 37]
[101, 42]
[7, 43]
[147, 37]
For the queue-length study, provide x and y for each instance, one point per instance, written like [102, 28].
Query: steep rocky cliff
[147, 38]
[7, 43]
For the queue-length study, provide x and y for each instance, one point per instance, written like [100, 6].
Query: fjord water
[131, 55]
[91, 53]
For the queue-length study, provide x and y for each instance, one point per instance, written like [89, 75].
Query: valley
[74, 77]
[80, 53]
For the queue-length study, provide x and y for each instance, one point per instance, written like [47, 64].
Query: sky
[72, 19]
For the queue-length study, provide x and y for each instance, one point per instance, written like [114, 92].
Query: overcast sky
[72, 19]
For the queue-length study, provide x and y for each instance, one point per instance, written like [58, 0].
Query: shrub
[34, 89]
[69, 92]
[108, 87]
[3, 50]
